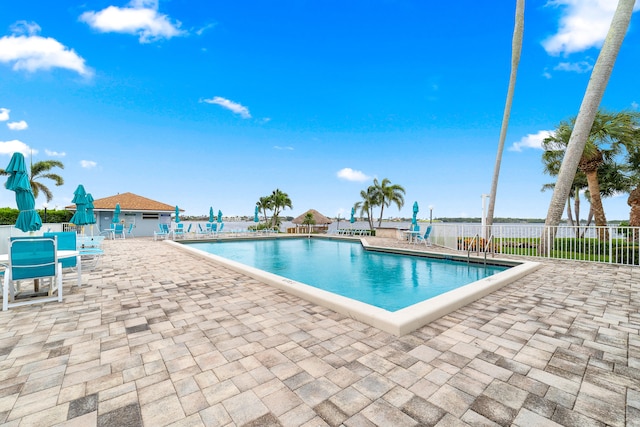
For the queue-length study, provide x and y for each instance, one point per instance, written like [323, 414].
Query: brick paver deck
[158, 337]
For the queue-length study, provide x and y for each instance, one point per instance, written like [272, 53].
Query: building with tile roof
[145, 214]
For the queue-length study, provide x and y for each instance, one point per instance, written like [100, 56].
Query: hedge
[9, 216]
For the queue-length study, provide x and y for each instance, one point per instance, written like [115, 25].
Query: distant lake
[470, 228]
[402, 225]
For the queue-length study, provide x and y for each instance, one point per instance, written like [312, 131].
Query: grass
[582, 249]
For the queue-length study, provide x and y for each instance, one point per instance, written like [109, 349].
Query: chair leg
[5, 292]
[59, 281]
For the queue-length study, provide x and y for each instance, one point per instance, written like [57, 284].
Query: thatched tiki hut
[321, 223]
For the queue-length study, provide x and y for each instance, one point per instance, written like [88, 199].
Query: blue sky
[201, 103]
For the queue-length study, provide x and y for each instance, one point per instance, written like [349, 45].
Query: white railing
[611, 244]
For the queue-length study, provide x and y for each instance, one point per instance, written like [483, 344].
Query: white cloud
[28, 51]
[230, 105]
[140, 17]
[88, 164]
[278, 147]
[21, 125]
[583, 24]
[634, 105]
[201, 31]
[54, 153]
[4, 114]
[13, 146]
[25, 28]
[576, 67]
[349, 174]
[533, 140]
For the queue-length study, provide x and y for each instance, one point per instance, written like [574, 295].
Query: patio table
[4, 259]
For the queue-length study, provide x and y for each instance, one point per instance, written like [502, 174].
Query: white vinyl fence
[611, 244]
[7, 231]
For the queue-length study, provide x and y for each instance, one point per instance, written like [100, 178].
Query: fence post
[610, 245]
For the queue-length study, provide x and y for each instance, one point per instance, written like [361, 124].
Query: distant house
[145, 214]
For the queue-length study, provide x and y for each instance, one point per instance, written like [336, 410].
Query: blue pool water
[388, 281]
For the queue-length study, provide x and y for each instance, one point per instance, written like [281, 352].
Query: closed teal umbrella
[91, 218]
[212, 217]
[256, 218]
[177, 214]
[219, 216]
[79, 218]
[414, 221]
[116, 214]
[18, 181]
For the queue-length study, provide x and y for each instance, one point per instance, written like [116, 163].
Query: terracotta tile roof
[129, 202]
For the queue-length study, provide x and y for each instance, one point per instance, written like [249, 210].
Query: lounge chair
[425, 238]
[31, 259]
[118, 231]
[200, 231]
[178, 231]
[130, 230]
[163, 233]
[216, 229]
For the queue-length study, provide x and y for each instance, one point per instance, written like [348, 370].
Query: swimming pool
[388, 281]
[402, 318]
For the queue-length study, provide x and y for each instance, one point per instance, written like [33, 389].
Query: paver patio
[159, 337]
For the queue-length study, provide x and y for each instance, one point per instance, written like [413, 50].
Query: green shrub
[627, 255]
[9, 216]
[590, 246]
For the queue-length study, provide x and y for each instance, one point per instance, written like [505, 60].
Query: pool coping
[400, 322]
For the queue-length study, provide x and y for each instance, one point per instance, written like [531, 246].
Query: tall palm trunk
[634, 215]
[584, 120]
[589, 165]
[380, 219]
[516, 49]
[569, 214]
[370, 217]
[596, 204]
[634, 202]
[576, 205]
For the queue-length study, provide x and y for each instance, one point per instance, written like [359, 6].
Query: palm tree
[610, 133]
[279, 201]
[387, 194]
[584, 121]
[552, 159]
[634, 202]
[516, 49]
[41, 170]
[633, 167]
[309, 220]
[264, 204]
[370, 198]
[611, 180]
